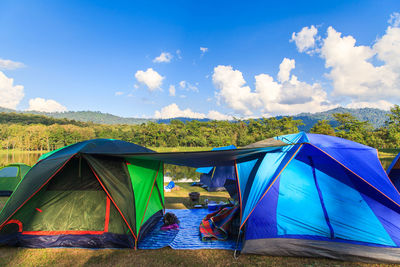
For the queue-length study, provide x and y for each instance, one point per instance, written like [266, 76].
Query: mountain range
[376, 117]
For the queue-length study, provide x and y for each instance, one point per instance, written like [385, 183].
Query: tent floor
[186, 237]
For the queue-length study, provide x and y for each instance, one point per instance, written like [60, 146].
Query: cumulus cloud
[286, 96]
[285, 68]
[381, 104]
[119, 93]
[361, 75]
[232, 89]
[6, 64]
[305, 39]
[173, 111]
[10, 94]
[394, 19]
[150, 78]
[351, 69]
[171, 90]
[43, 105]
[215, 115]
[165, 57]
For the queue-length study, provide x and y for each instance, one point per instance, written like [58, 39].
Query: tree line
[49, 135]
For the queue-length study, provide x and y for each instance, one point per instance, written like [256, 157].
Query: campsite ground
[177, 199]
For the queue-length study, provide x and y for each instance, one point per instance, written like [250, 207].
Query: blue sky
[100, 56]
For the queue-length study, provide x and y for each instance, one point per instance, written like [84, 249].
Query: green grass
[178, 199]
[160, 257]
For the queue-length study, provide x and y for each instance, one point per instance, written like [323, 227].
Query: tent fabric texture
[319, 196]
[84, 196]
[10, 176]
[215, 178]
[394, 171]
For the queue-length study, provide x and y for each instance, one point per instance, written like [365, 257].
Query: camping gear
[194, 196]
[170, 218]
[90, 194]
[394, 171]
[213, 179]
[170, 222]
[169, 186]
[186, 236]
[216, 225]
[10, 176]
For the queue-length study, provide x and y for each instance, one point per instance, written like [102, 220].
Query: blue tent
[320, 196]
[394, 171]
[216, 177]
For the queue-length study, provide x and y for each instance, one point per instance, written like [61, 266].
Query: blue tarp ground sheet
[186, 237]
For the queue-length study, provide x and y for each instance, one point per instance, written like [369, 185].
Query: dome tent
[321, 196]
[215, 178]
[10, 176]
[85, 195]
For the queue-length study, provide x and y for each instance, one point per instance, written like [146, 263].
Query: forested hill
[376, 117]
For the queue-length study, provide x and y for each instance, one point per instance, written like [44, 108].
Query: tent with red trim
[84, 195]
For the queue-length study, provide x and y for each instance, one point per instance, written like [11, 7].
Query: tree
[323, 127]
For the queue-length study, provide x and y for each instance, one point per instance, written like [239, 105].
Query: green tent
[10, 176]
[90, 194]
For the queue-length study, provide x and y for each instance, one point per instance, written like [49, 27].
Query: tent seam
[276, 177]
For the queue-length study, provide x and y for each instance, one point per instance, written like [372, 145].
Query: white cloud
[173, 111]
[150, 78]
[43, 105]
[188, 86]
[119, 93]
[232, 89]
[172, 90]
[305, 39]
[285, 68]
[381, 104]
[215, 115]
[354, 75]
[6, 64]
[362, 75]
[164, 57]
[203, 50]
[394, 19]
[10, 94]
[270, 97]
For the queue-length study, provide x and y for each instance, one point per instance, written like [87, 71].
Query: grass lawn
[178, 199]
